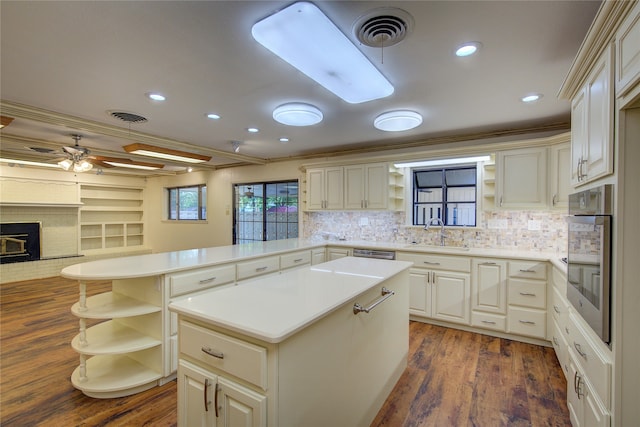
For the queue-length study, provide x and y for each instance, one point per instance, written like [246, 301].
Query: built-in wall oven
[589, 257]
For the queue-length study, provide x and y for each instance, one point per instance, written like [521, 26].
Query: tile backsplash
[542, 231]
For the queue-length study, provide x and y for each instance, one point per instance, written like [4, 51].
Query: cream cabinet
[489, 293]
[295, 260]
[628, 52]
[365, 186]
[527, 298]
[325, 188]
[559, 175]
[439, 287]
[585, 410]
[318, 256]
[521, 178]
[334, 252]
[592, 124]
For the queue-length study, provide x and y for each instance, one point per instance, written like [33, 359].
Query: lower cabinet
[585, 409]
[489, 294]
[206, 399]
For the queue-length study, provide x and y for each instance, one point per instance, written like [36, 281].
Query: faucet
[438, 221]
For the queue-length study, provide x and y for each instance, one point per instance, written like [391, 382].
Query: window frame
[202, 202]
[414, 203]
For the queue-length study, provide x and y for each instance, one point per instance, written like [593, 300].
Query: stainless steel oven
[589, 257]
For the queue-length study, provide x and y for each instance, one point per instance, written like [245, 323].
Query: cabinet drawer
[192, 281]
[295, 259]
[527, 321]
[494, 322]
[239, 358]
[437, 262]
[259, 266]
[559, 307]
[595, 362]
[527, 293]
[528, 269]
[560, 347]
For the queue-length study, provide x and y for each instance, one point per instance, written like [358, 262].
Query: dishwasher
[373, 253]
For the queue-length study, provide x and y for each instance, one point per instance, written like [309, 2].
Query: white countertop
[169, 262]
[273, 308]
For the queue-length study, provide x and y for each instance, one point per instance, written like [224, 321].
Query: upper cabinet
[592, 123]
[521, 178]
[628, 53]
[372, 186]
[559, 175]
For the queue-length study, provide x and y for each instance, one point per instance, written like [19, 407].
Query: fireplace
[19, 241]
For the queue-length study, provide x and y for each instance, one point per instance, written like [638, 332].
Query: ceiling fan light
[65, 164]
[297, 114]
[82, 166]
[306, 38]
[397, 121]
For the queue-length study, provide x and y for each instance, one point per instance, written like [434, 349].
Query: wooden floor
[454, 378]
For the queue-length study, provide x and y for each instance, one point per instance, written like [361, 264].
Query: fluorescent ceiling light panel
[442, 162]
[165, 153]
[305, 38]
[28, 163]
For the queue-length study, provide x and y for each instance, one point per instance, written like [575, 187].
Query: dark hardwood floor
[454, 378]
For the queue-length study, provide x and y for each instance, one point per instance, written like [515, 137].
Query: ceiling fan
[77, 157]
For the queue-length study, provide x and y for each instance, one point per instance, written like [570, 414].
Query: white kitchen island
[291, 350]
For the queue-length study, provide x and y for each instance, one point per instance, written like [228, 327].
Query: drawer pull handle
[578, 348]
[556, 309]
[528, 270]
[206, 398]
[527, 322]
[297, 260]
[490, 322]
[215, 399]
[209, 280]
[261, 268]
[214, 353]
[488, 263]
[386, 293]
[431, 263]
[528, 294]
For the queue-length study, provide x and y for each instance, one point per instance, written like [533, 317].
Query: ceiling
[65, 65]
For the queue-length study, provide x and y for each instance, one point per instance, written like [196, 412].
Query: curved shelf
[113, 338]
[114, 376]
[113, 305]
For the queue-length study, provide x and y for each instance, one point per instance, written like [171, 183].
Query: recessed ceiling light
[297, 114]
[156, 96]
[253, 130]
[306, 38]
[467, 49]
[533, 97]
[213, 116]
[397, 121]
[284, 140]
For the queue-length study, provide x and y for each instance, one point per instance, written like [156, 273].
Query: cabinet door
[489, 286]
[376, 186]
[315, 189]
[420, 292]
[333, 188]
[560, 175]
[574, 401]
[241, 407]
[450, 297]
[599, 155]
[335, 253]
[578, 136]
[354, 177]
[522, 178]
[318, 256]
[196, 388]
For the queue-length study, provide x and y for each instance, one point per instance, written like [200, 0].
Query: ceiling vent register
[383, 27]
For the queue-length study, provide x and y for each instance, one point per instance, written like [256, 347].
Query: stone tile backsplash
[540, 231]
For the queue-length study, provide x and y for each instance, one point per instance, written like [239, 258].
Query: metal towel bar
[386, 293]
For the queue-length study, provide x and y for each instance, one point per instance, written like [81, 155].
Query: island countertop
[273, 308]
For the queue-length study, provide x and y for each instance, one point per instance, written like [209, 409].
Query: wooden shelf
[132, 377]
[112, 337]
[113, 305]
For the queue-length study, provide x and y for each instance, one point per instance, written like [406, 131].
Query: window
[445, 193]
[188, 203]
[265, 211]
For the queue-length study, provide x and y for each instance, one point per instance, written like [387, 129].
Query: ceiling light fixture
[213, 116]
[468, 49]
[284, 140]
[397, 121]
[441, 162]
[304, 37]
[5, 121]
[253, 130]
[297, 114]
[28, 163]
[156, 96]
[76, 160]
[236, 146]
[130, 164]
[533, 97]
[165, 153]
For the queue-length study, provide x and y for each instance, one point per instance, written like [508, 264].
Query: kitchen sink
[437, 247]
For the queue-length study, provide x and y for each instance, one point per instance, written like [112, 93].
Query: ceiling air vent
[127, 117]
[383, 27]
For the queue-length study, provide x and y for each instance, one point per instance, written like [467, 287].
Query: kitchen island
[316, 346]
